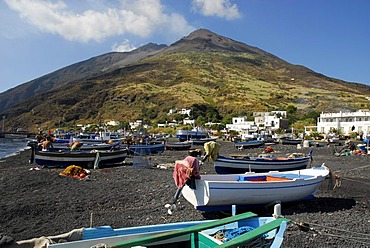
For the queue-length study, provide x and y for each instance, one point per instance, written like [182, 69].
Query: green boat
[261, 229]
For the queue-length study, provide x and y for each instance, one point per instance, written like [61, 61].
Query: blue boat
[196, 133]
[146, 149]
[249, 144]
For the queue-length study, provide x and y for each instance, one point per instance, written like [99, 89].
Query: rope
[332, 177]
[259, 242]
[352, 180]
[338, 182]
[359, 167]
[304, 226]
[338, 179]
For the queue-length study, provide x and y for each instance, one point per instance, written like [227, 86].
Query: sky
[37, 37]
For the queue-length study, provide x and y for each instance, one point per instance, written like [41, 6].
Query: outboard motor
[33, 145]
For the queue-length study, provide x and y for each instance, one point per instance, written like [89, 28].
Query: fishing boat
[146, 149]
[201, 141]
[291, 141]
[86, 147]
[97, 138]
[235, 164]
[249, 144]
[195, 133]
[181, 145]
[267, 230]
[87, 159]
[219, 192]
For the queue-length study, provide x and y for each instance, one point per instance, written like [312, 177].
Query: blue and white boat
[243, 163]
[195, 133]
[241, 229]
[219, 192]
[146, 149]
[86, 159]
[249, 144]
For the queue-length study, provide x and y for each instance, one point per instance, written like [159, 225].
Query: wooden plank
[188, 230]
[239, 155]
[253, 233]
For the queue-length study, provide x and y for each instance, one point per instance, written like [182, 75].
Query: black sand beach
[37, 203]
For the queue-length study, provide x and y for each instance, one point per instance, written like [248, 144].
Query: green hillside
[228, 77]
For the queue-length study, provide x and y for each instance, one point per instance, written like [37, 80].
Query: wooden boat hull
[236, 165]
[216, 192]
[84, 147]
[185, 234]
[147, 149]
[291, 141]
[84, 159]
[197, 142]
[249, 144]
[183, 135]
[178, 146]
[109, 236]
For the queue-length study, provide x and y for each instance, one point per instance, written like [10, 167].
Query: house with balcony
[345, 122]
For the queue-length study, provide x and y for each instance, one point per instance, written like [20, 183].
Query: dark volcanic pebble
[37, 203]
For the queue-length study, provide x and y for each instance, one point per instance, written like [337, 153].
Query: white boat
[235, 164]
[218, 192]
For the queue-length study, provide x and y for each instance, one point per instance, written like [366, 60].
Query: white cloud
[220, 8]
[125, 46]
[135, 17]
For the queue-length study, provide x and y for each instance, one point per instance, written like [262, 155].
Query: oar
[172, 206]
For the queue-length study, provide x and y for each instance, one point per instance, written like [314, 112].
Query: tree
[292, 114]
[206, 112]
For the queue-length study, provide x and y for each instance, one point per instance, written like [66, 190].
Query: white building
[172, 111]
[271, 120]
[113, 123]
[277, 113]
[244, 127]
[137, 123]
[185, 111]
[241, 123]
[344, 122]
[187, 121]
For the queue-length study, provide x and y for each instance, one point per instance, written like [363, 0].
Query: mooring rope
[338, 178]
[304, 226]
[357, 181]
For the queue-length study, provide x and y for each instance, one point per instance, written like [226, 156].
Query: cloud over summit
[140, 18]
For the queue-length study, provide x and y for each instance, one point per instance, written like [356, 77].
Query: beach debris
[165, 166]
[75, 171]
[170, 208]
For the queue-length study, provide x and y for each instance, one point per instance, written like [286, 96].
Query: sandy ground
[38, 203]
